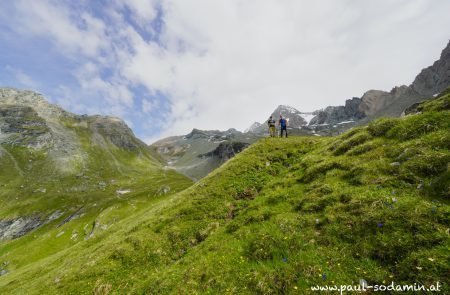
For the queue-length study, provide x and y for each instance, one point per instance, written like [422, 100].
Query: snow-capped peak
[253, 127]
[288, 109]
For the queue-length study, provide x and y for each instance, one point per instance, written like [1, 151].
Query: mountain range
[89, 209]
[186, 154]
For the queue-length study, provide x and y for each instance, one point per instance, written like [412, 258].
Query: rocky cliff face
[376, 103]
[336, 114]
[435, 78]
[226, 151]
[22, 126]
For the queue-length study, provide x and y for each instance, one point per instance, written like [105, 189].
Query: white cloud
[73, 32]
[87, 40]
[21, 77]
[149, 105]
[229, 63]
[143, 10]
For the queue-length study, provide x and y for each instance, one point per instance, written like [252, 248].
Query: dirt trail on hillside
[15, 163]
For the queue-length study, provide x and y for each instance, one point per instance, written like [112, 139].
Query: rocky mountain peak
[232, 131]
[435, 78]
[335, 114]
[114, 129]
[196, 133]
[252, 127]
[12, 96]
[291, 114]
[285, 110]
[28, 119]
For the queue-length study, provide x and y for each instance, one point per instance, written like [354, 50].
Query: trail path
[16, 164]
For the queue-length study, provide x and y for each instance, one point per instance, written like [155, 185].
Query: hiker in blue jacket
[283, 126]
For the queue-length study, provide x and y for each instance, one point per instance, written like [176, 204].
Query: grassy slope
[89, 189]
[279, 217]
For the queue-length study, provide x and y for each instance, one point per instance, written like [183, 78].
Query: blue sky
[168, 66]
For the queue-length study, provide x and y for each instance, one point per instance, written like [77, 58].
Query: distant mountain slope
[296, 119]
[56, 166]
[370, 205]
[253, 127]
[201, 151]
[376, 103]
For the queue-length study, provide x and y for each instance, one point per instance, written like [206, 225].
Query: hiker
[271, 124]
[283, 126]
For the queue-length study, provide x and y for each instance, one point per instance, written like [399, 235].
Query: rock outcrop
[435, 78]
[376, 103]
[22, 126]
[336, 114]
[226, 151]
[17, 227]
[115, 130]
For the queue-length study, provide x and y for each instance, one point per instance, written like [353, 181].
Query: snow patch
[307, 117]
[345, 122]
[290, 109]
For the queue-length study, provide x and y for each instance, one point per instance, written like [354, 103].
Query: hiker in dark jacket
[283, 126]
[271, 124]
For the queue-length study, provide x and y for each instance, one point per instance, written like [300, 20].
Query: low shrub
[350, 143]
[382, 126]
[415, 126]
[320, 169]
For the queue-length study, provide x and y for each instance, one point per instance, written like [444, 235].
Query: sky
[168, 66]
